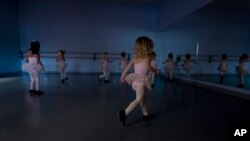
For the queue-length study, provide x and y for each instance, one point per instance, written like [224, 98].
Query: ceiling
[127, 1]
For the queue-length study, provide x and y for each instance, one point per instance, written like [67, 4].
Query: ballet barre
[77, 55]
[210, 58]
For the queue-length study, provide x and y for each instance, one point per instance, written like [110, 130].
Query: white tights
[34, 81]
[105, 74]
[63, 74]
[140, 99]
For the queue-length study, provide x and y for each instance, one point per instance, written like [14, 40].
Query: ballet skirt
[241, 68]
[137, 80]
[32, 65]
[104, 65]
[223, 67]
[140, 77]
[187, 66]
[61, 65]
[170, 66]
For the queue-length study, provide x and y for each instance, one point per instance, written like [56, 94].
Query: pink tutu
[33, 66]
[187, 67]
[241, 68]
[61, 65]
[104, 66]
[137, 80]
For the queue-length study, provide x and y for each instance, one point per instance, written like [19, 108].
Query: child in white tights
[139, 79]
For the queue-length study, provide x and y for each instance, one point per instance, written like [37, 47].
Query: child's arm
[151, 68]
[195, 62]
[131, 63]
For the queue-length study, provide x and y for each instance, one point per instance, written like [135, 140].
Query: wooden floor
[84, 110]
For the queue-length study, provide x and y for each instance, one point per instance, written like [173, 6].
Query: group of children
[141, 79]
[172, 67]
[34, 66]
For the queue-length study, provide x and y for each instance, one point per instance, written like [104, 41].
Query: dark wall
[9, 37]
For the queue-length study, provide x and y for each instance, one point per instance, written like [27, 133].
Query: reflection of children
[169, 66]
[177, 65]
[242, 69]
[187, 66]
[61, 65]
[139, 79]
[222, 67]
[104, 68]
[123, 62]
[154, 65]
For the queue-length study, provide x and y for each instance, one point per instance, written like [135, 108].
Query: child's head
[105, 55]
[244, 57]
[143, 47]
[123, 54]
[188, 56]
[224, 56]
[170, 55]
[35, 47]
[61, 52]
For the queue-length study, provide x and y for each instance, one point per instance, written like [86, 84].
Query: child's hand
[122, 80]
[158, 71]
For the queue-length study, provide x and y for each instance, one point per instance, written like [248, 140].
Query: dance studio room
[124, 70]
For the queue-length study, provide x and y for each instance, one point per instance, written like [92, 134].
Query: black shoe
[171, 80]
[107, 81]
[221, 79]
[32, 92]
[152, 85]
[241, 86]
[63, 80]
[66, 78]
[148, 117]
[122, 117]
[39, 92]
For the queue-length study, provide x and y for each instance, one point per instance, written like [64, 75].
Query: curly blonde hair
[143, 47]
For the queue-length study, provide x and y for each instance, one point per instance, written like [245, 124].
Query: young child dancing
[242, 69]
[222, 68]
[139, 79]
[123, 62]
[104, 68]
[169, 67]
[61, 65]
[188, 64]
[35, 66]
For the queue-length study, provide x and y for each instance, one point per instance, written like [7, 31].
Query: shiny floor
[84, 110]
[229, 80]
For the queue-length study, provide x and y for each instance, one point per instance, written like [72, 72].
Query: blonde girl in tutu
[139, 79]
[61, 65]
